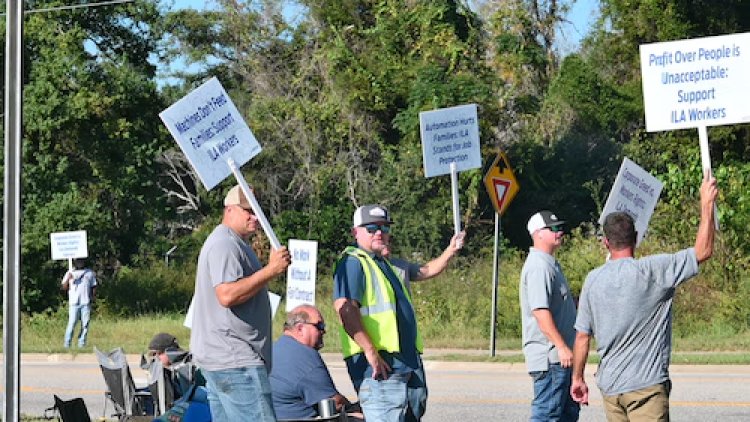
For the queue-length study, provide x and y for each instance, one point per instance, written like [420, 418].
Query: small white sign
[450, 135]
[209, 129]
[636, 192]
[696, 82]
[69, 245]
[300, 275]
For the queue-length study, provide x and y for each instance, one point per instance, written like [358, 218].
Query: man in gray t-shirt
[231, 329]
[547, 316]
[626, 304]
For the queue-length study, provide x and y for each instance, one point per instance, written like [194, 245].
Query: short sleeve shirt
[299, 379]
[80, 286]
[234, 337]
[626, 304]
[349, 282]
[543, 286]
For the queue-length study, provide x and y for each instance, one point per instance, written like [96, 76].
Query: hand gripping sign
[450, 143]
[216, 140]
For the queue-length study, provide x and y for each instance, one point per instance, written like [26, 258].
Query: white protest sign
[450, 135]
[696, 82]
[210, 130]
[300, 275]
[68, 245]
[636, 192]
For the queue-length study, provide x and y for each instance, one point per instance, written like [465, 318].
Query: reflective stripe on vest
[377, 308]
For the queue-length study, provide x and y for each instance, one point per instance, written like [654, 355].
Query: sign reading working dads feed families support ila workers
[300, 275]
[210, 131]
[450, 135]
[696, 83]
[636, 192]
[69, 245]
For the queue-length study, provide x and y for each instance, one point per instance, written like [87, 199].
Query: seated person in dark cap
[300, 378]
[167, 357]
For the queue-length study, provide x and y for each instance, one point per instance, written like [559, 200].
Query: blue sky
[582, 15]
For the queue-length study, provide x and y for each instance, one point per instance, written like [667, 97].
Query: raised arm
[437, 265]
[704, 240]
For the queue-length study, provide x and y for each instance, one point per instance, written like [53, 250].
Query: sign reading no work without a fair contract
[697, 82]
[636, 192]
[450, 135]
[68, 245]
[209, 130]
[300, 275]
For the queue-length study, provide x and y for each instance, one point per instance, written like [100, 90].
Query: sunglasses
[555, 229]
[372, 228]
[321, 326]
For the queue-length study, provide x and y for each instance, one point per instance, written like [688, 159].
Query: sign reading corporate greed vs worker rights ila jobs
[450, 135]
[696, 83]
[210, 131]
[636, 192]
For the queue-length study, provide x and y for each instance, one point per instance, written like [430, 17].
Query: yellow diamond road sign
[501, 184]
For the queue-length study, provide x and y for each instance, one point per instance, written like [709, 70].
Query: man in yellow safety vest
[379, 336]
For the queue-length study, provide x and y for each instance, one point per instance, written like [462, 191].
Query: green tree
[90, 138]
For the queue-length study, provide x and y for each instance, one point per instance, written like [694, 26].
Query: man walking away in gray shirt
[231, 334]
[547, 316]
[626, 304]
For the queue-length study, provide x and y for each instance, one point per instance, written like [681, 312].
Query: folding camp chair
[68, 410]
[127, 400]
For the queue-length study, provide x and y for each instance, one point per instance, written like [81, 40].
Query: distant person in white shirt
[80, 282]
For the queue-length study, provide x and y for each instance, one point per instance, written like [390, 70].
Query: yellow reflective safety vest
[377, 308]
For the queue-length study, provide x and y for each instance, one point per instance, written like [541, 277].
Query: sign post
[450, 143]
[502, 187]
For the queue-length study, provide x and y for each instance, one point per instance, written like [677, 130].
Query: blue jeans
[552, 401]
[76, 312]
[240, 394]
[400, 398]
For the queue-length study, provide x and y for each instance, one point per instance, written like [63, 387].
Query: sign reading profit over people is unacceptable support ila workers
[210, 130]
[695, 83]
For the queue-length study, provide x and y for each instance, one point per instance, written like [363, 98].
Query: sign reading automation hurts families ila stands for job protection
[694, 83]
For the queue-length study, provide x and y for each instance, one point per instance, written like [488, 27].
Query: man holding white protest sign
[626, 304]
[231, 334]
[231, 310]
[380, 340]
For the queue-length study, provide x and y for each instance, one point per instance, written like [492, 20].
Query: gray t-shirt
[543, 286]
[235, 337]
[626, 304]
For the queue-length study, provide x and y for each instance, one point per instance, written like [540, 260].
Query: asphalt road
[459, 391]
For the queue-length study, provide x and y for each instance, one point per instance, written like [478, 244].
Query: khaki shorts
[646, 404]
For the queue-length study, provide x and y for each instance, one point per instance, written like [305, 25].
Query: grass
[44, 334]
